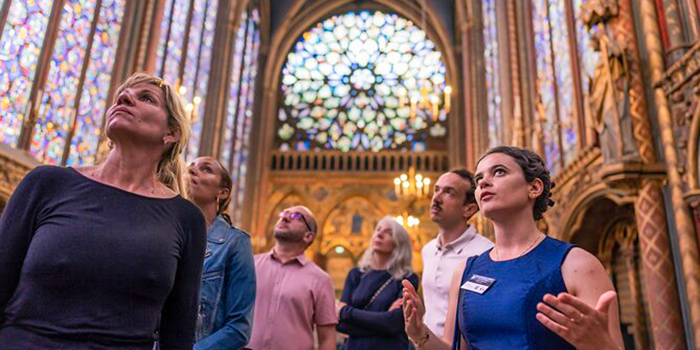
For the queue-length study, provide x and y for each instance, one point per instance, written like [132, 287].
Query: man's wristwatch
[422, 340]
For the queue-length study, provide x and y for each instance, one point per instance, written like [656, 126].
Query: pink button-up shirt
[290, 299]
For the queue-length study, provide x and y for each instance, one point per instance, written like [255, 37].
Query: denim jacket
[228, 289]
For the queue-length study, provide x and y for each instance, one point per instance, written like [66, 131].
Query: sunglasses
[295, 216]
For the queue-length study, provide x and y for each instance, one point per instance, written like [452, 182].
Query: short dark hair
[467, 175]
[533, 168]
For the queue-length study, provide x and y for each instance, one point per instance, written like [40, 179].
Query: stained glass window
[587, 56]
[94, 99]
[555, 81]
[54, 121]
[491, 69]
[348, 80]
[172, 36]
[236, 134]
[67, 112]
[565, 125]
[22, 38]
[184, 56]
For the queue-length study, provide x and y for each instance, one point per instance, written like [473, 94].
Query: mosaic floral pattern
[93, 100]
[198, 62]
[587, 56]
[58, 105]
[491, 66]
[565, 124]
[22, 38]
[172, 38]
[348, 80]
[557, 92]
[547, 111]
[240, 106]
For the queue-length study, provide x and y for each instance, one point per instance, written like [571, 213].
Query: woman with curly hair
[530, 291]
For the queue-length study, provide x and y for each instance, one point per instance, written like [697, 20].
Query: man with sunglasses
[293, 295]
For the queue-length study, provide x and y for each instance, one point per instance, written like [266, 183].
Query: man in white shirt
[452, 206]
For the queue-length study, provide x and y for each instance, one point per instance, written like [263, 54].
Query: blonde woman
[97, 257]
[367, 311]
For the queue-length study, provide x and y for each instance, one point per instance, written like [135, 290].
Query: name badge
[478, 284]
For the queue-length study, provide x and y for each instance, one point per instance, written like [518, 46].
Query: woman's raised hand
[579, 324]
[413, 311]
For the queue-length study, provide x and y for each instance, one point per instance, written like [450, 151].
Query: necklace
[537, 238]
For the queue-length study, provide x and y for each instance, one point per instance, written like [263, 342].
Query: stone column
[686, 236]
[657, 265]
[654, 243]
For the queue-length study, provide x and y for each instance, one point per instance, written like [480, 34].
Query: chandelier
[427, 99]
[411, 185]
[190, 107]
[408, 221]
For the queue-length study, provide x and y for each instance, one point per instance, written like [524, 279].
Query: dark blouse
[370, 325]
[84, 265]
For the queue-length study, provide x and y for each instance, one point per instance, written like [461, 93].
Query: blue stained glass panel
[234, 90]
[58, 107]
[22, 38]
[495, 125]
[196, 77]
[93, 100]
[348, 84]
[566, 125]
[546, 111]
[172, 49]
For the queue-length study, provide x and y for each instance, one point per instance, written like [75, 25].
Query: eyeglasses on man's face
[295, 216]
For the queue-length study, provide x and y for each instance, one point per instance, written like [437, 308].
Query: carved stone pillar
[650, 215]
[659, 275]
[686, 236]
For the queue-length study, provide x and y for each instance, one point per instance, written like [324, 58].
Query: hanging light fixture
[410, 222]
[411, 185]
[190, 107]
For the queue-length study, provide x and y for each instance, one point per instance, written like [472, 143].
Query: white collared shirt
[439, 263]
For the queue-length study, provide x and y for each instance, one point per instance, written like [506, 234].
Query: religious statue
[609, 88]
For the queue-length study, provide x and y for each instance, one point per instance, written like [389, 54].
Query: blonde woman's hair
[399, 265]
[171, 165]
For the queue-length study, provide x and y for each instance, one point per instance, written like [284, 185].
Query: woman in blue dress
[530, 291]
[227, 294]
[369, 311]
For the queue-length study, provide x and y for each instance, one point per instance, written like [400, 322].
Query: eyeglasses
[295, 216]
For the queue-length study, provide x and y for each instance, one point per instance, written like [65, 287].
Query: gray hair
[399, 265]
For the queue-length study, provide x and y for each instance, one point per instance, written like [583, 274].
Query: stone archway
[344, 235]
[608, 230]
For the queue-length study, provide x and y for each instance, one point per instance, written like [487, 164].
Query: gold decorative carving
[609, 94]
[14, 165]
[687, 237]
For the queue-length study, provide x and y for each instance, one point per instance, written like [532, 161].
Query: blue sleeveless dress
[504, 316]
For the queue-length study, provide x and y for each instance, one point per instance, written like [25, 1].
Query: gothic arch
[349, 224]
[300, 17]
[573, 218]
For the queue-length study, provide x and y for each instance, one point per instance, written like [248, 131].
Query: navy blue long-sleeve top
[370, 325]
[84, 265]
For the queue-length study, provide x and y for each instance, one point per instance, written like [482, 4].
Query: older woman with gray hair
[365, 311]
